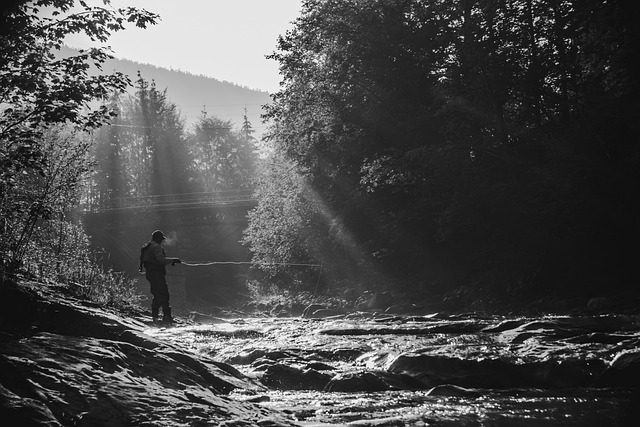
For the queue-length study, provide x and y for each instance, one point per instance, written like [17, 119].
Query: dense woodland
[473, 145]
[463, 147]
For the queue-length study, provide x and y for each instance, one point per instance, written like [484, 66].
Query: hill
[193, 93]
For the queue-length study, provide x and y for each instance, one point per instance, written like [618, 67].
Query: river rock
[496, 373]
[73, 363]
[357, 381]
[436, 370]
[284, 377]
[247, 358]
[319, 366]
[624, 370]
[62, 380]
[453, 390]
[370, 381]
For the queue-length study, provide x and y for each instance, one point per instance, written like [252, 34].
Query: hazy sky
[223, 39]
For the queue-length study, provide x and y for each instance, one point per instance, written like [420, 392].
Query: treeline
[146, 150]
[476, 146]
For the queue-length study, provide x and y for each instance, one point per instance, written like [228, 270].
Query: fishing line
[206, 263]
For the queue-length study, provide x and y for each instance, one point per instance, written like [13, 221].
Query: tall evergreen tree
[225, 158]
[110, 173]
[158, 124]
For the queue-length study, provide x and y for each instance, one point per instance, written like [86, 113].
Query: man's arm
[158, 254]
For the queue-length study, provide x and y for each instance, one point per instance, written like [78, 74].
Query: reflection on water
[492, 408]
[438, 369]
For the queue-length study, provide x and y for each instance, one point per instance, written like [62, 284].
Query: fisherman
[154, 259]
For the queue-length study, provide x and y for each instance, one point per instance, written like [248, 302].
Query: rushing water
[433, 370]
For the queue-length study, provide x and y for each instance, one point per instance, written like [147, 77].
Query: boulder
[496, 373]
[284, 377]
[357, 381]
[623, 371]
[319, 366]
[51, 379]
[247, 358]
[65, 362]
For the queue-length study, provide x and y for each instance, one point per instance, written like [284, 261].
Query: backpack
[142, 251]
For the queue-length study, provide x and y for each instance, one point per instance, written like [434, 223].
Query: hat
[158, 234]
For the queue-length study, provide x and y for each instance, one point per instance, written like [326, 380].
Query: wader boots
[166, 315]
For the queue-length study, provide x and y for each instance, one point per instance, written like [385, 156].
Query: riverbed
[437, 369]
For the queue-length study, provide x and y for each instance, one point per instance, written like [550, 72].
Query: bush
[61, 251]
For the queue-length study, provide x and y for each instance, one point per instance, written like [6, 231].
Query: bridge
[229, 198]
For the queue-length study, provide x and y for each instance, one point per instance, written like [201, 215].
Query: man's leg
[160, 291]
[155, 308]
[166, 308]
[158, 285]
[166, 314]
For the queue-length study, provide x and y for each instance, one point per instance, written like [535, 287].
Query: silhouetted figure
[154, 259]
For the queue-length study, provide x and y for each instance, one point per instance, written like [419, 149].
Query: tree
[157, 122]
[39, 90]
[359, 86]
[455, 140]
[283, 227]
[49, 194]
[225, 159]
[144, 151]
[111, 177]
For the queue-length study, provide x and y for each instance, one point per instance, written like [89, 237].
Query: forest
[473, 149]
[486, 148]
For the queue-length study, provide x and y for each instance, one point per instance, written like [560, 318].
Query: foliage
[143, 151]
[32, 198]
[60, 249]
[146, 151]
[267, 297]
[225, 159]
[39, 90]
[283, 227]
[461, 143]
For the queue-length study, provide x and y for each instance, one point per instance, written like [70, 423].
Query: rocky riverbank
[64, 362]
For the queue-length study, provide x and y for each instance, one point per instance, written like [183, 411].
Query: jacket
[155, 259]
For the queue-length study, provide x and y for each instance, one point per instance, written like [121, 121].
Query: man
[154, 260]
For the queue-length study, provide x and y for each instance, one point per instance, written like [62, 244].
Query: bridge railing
[173, 201]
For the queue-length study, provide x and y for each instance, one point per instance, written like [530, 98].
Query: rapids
[471, 370]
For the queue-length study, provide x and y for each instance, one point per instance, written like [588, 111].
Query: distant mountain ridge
[194, 93]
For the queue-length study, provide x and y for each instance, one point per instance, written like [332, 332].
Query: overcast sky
[223, 39]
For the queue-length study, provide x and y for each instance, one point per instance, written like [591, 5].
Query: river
[373, 369]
